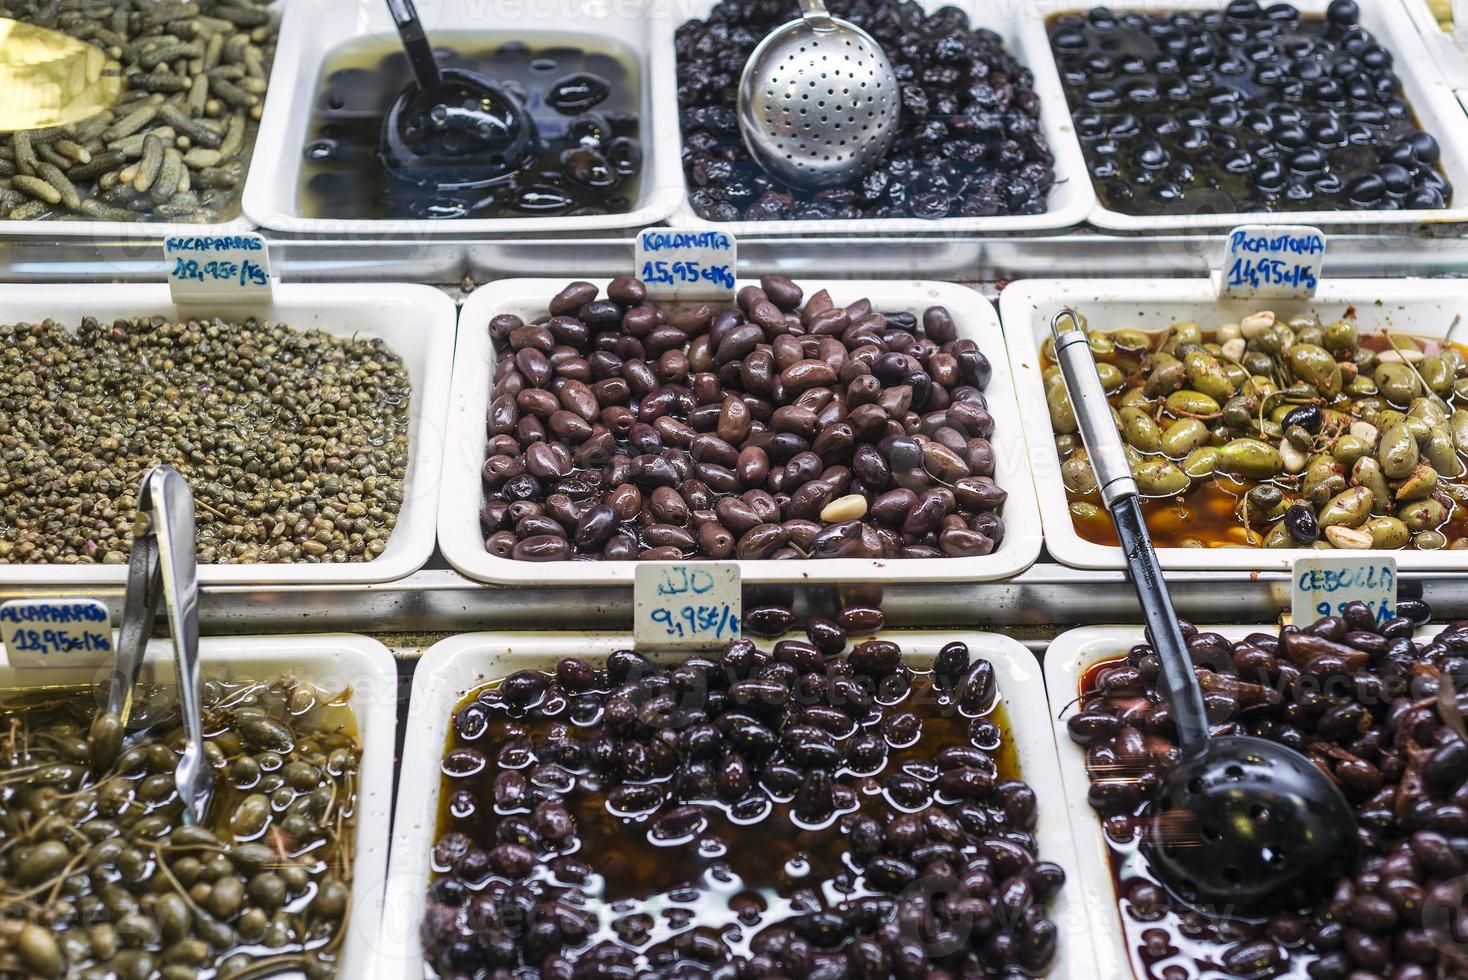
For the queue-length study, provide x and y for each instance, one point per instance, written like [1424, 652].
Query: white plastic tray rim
[453, 667]
[1419, 306]
[462, 542]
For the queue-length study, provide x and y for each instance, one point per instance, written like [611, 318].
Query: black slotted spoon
[1240, 824]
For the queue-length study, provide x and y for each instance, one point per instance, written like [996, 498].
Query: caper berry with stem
[100, 875]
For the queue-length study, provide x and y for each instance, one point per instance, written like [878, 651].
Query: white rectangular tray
[1071, 199]
[334, 662]
[1419, 306]
[1068, 658]
[455, 666]
[156, 230]
[1449, 50]
[462, 542]
[1424, 88]
[417, 322]
[314, 28]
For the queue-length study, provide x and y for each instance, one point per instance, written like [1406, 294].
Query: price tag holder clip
[685, 605]
[1271, 262]
[215, 270]
[1321, 585]
[687, 265]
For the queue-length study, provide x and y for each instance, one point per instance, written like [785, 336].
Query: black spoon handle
[1119, 492]
[415, 43]
[1181, 683]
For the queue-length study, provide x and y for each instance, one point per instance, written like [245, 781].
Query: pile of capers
[101, 877]
[295, 443]
[1321, 436]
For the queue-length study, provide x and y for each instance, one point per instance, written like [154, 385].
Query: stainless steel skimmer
[162, 569]
[818, 100]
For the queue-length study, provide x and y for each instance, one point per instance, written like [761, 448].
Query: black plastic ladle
[1240, 824]
[450, 128]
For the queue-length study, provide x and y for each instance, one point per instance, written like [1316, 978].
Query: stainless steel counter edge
[1428, 250]
[1045, 596]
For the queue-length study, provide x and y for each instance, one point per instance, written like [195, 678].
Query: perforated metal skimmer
[818, 100]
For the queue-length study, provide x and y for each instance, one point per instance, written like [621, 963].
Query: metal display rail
[1040, 600]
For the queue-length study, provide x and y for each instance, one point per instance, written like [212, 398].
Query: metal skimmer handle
[1088, 400]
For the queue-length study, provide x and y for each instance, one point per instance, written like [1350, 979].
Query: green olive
[1184, 436]
[1160, 478]
[1111, 376]
[1205, 374]
[1077, 475]
[1348, 449]
[1201, 462]
[1130, 340]
[1183, 332]
[1367, 473]
[1250, 458]
[1140, 431]
[1440, 453]
[1165, 379]
[1397, 382]
[1349, 508]
[1062, 415]
[1192, 403]
[1430, 540]
[1279, 537]
[1341, 336]
[1419, 484]
[1423, 515]
[1458, 428]
[1360, 386]
[1436, 373]
[1316, 367]
[1100, 343]
[1397, 452]
[1387, 533]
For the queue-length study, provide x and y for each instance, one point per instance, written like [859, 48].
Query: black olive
[1343, 13]
[1308, 417]
[1300, 521]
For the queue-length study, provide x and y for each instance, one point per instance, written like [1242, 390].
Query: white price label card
[1271, 262]
[232, 268]
[687, 606]
[679, 265]
[1323, 584]
[56, 632]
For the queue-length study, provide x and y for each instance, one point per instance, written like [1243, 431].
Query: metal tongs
[162, 568]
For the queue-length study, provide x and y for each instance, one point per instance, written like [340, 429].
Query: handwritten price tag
[56, 632]
[685, 606]
[218, 268]
[1322, 585]
[676, 265]
[1272, 261]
